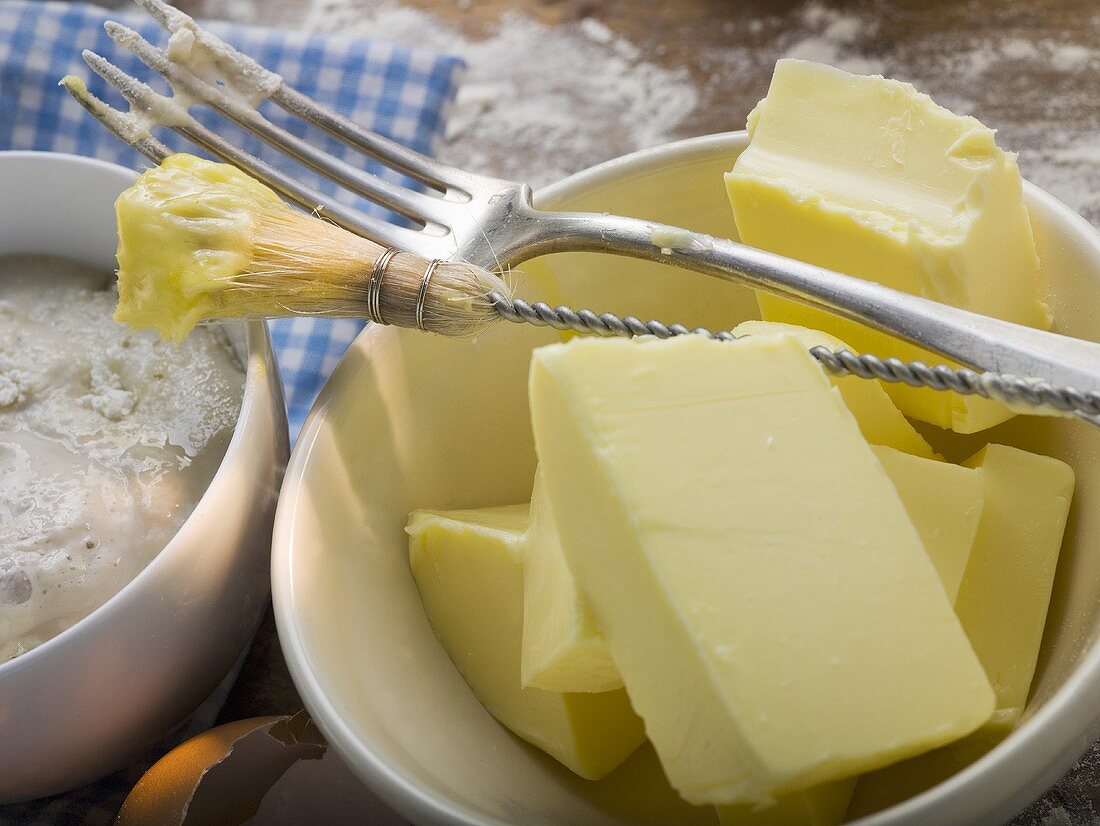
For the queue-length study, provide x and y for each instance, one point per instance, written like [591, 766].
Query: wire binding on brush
[998, 386]
[422, 292]
[374, 286]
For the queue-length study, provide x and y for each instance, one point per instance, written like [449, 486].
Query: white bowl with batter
[414, 421]
[87, 700]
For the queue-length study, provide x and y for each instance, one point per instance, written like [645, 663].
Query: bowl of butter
[137, 492]
[542, 579]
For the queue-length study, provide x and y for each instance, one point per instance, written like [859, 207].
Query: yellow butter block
[870, 177]
[468, 568]
[1002, 603]
[945, 502]
[880, 421]
[563, 649]
[1005, 591]
[701, 490]
[823, 805]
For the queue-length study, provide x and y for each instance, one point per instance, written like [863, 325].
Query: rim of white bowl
[258, 346]
[420, 804]
[1054, 733]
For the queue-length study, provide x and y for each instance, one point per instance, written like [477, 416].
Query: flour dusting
[518, 114]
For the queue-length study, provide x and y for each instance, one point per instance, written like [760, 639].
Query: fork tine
[143, 98]
[417, 206]
[449, 180]
[442, 177]
[121, 123]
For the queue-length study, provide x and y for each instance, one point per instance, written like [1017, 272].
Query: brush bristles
[301, 265]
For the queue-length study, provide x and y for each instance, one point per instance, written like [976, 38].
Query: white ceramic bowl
[84, 703]
[414, 421]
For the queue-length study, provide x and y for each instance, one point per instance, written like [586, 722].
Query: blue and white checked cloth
[397, 91]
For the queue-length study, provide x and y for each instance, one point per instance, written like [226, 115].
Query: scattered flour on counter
[830, 36]
[538, 101]
[108, 438]
[1070, 57]
[1016, 48]
[596, 31]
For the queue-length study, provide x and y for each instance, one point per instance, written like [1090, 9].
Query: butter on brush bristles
[200, 240]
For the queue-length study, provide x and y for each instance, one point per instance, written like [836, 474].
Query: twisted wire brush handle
[1013, 390]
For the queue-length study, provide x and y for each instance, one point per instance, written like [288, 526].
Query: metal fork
[492, 223]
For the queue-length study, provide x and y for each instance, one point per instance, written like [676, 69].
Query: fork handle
[978, 341]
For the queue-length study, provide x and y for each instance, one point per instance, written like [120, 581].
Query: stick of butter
[880, 421]
[869, 177]
[945, 502]
[1005, 591]
[563, 649]
[1002, 603]
[468, 569]
[766, 599]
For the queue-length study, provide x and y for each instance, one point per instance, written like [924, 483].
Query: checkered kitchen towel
[395, 90]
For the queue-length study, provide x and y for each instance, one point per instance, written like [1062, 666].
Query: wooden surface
[1006, 62]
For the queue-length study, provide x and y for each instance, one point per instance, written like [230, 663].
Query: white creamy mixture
[108, 439]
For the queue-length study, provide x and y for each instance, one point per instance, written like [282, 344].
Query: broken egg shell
[222, 774]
